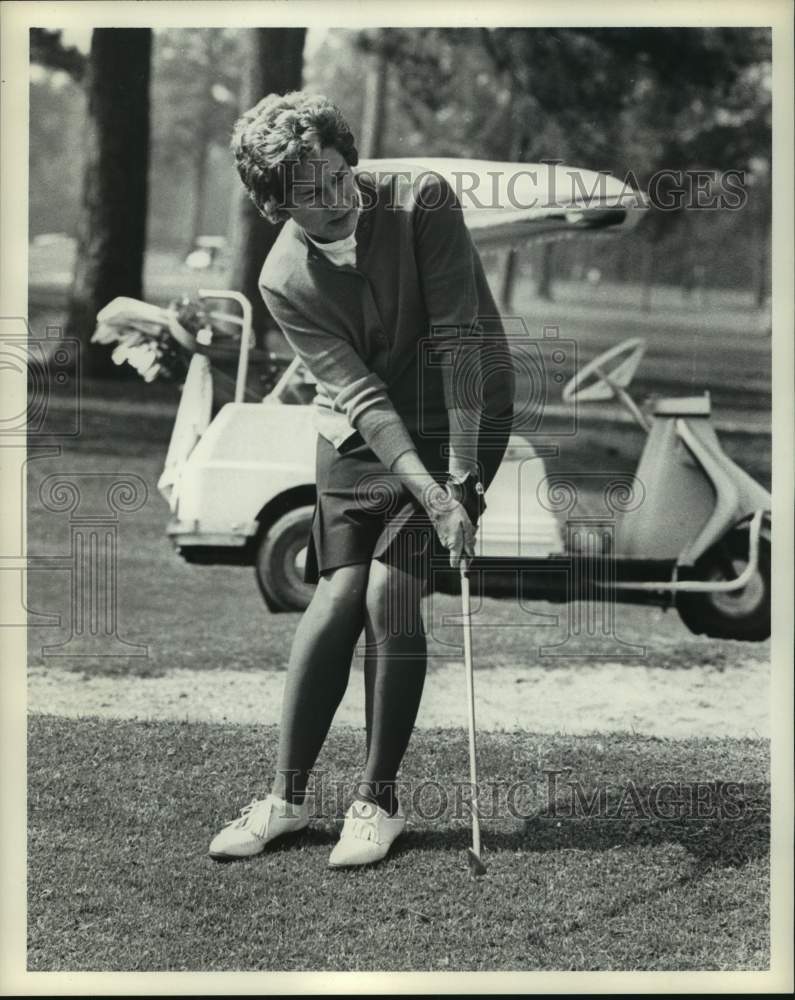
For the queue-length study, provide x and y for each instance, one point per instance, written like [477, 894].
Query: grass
[121, 813]
[205, 617]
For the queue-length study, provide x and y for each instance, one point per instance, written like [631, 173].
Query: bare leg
[395, 665]
[317, 674]
[396, 650]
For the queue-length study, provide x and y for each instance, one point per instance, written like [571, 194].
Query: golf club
[476, 865]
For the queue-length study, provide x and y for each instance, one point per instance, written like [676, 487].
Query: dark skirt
[364, 512]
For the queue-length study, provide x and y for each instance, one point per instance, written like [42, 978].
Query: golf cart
[689, 528]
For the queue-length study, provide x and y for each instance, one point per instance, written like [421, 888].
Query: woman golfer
[377, 287]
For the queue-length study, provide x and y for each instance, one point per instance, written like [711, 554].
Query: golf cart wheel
[741, 614]
[279, 563]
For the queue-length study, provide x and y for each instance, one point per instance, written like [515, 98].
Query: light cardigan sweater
[380, 337]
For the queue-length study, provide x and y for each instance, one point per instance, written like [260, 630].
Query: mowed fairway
[121, 813]
[614, 851]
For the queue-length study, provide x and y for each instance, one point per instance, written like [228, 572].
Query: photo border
[16, 18]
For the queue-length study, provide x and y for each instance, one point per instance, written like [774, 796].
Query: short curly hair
[283, 129]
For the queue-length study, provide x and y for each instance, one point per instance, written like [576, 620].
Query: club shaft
[473, 768]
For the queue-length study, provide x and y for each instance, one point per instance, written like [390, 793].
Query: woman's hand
[453, 526]
[449, 517]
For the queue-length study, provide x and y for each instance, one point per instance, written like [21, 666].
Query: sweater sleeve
[445, 261]
[348, 383]
[446, 268]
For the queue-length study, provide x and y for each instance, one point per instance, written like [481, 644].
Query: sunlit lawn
[121, 813]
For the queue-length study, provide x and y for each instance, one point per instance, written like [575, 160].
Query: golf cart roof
[506, 202]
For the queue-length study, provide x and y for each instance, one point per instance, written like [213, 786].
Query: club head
[476, 866]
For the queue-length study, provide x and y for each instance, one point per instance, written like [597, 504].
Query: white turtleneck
[341, 251]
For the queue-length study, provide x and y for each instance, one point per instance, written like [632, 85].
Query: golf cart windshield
[507, 203]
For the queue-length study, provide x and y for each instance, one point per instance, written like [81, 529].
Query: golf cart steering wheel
[623, 360]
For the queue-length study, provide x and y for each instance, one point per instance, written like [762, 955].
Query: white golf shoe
[259, 822]
[367, 834]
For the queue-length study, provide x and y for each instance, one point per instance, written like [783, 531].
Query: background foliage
[628, 100]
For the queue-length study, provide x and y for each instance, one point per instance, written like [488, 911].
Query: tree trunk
[274, 64]
[510, 268]
[211, 44]
[112, 228]
[544, 287]
[374, 119]
[686, 267]
[648, 277]
[199, 187]
[763, 274]
[515, 140]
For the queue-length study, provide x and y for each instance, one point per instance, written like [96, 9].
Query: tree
[47, 49]
[57, 115]
[112, 227]
[273, 63]
[195, 88]
[616, 99]
[371, 143]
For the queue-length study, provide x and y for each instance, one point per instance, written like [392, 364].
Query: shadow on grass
[717, 829]
[716, 842]
[718, 833]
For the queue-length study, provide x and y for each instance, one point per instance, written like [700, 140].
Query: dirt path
[608, 697]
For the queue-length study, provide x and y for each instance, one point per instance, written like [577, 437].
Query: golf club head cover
[469, 493]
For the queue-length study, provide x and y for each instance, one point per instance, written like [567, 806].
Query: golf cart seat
[686, 406]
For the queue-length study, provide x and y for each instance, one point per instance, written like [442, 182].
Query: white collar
[348, 242]
[336, 246]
